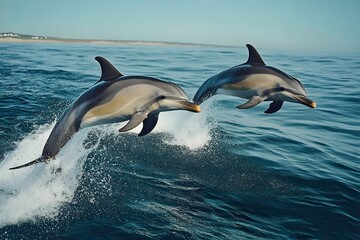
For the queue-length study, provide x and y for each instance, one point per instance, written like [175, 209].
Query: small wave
[29, 193]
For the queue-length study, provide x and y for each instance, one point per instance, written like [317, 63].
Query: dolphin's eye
[281, 88]
[162, 97]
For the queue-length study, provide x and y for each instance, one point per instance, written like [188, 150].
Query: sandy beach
[19, 40]
[100, 42]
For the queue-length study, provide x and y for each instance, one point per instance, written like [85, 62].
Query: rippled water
[221, 174]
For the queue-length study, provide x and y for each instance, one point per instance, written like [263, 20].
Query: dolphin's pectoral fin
[38, 160]
[274, 106]
[253, 101]
[149, 124]
[135, 120]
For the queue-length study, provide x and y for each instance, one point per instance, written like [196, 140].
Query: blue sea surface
[223, 173]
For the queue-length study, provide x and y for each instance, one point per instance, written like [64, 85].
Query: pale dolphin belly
[251, 85]
[121, 107]
[246, 94]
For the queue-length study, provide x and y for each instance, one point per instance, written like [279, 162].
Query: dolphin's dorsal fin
[108, 71]
[254, 57]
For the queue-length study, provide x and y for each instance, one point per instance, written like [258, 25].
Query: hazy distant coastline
[21, 38]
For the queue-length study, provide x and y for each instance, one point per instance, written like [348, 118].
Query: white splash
[187, 129]
[32, 192]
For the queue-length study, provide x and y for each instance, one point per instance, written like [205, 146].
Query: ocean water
[223, 173]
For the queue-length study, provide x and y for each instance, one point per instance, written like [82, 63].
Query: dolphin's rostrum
[116, 98]
[257, 82]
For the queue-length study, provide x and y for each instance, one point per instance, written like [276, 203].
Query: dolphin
[115, 98]
[257, 82]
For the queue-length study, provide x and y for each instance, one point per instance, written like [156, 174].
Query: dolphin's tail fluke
[38, 160]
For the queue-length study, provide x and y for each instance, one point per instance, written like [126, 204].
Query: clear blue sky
[305, 25]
